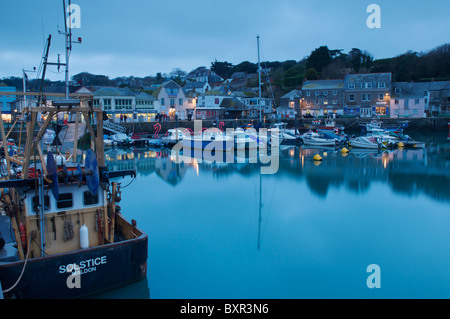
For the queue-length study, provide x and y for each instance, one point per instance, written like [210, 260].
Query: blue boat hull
[206, 144]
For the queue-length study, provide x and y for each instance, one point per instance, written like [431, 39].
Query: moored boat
[64, 233]
[370, 142]
[172, 137]
[211, 139]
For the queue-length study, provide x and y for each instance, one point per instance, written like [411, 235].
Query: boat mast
[259, 82]
[68, 36]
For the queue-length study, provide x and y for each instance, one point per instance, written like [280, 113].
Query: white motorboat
[211, 139]
[173, 136]
[318, 141]
[371, 142]
[121, 139]
[108, 141]
[286, 136]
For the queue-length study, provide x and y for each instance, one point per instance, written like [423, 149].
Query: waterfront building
[254, 105]
[367, 95]
[409, 100]
[145, 107]
[118, 103]
[439, 98]
[233, 108]
[322, 98]
[172, 100]
[290, 104]
[208, 106]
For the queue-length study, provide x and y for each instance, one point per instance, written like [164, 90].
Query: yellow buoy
[317, 157]
[400, 144]
[344, 150]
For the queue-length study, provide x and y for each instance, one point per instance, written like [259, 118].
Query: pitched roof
[112, 91]
[194, 85]
[323, 85]
[368, 77]
[142, 96]
[293, 94]
[232, 104]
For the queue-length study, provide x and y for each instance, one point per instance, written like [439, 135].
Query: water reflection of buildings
[146, 162]
[408, 171]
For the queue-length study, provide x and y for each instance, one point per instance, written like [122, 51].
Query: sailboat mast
[259, 82]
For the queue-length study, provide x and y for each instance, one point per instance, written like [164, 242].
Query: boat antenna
[259, 81]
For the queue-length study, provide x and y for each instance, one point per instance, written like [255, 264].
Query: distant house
[409, 99]
[197, 87]
[239, 76]
[172, 100]
[290, 104]
[367, 95]
[203, 74]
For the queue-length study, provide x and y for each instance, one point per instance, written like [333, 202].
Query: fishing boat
[330, 125]
[370, 142]
[385, 136]
[369, 127]
[64, 233]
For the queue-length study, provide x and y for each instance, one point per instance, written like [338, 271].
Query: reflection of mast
[260, 206]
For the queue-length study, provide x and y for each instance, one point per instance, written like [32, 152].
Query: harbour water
[311, 230]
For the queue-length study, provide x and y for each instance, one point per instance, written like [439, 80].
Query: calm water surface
[309, 231]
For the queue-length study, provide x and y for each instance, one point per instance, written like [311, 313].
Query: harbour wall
[414, 124]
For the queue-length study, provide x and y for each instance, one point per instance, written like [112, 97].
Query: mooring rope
[23, 270]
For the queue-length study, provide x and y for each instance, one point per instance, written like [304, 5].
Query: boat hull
[100, 268]
[218, 145]
[319, 142]
[358, 144]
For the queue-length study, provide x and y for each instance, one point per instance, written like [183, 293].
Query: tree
[177, 73]
[223, 69]
[320, 58]
[360, 59]
[246, 67]
[311, 74]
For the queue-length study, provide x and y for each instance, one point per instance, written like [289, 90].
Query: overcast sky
[143, 37]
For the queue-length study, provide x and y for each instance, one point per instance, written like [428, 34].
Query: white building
[172, 101]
